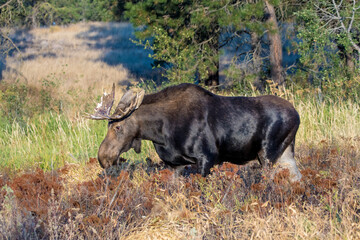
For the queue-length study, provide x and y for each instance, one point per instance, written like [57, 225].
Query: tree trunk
[256, 60]
[33, 19]
[347, 58]
[34, 13]
[213, 78]
[276, 69]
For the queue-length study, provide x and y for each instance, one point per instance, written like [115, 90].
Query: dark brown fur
[190, 125]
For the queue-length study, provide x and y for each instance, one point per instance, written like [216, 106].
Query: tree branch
[10, 41]
[347, 31]
[6, 4]
[352, 17]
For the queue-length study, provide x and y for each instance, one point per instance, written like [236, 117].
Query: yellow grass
[75, 62]
[65, 56]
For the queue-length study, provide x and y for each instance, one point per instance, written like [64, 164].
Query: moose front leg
[204, 164]
[179, 171]
[207, 154]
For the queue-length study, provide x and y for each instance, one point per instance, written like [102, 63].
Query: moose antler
[102, 110]
[129, 102]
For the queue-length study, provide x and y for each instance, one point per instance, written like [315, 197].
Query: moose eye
[118, 128]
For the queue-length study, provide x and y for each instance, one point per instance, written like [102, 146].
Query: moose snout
[107, 155]
[102, 162]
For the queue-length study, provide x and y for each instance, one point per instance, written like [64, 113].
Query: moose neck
[150, 124]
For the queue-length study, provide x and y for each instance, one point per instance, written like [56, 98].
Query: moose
[189, 125]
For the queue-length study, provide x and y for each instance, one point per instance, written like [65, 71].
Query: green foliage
[11, 14]
[67, 11]
[13, 101]
[46, 97]
[40, 13]
[19, 101]
[186, 39]
[99, 10]
[240, 83]
[185, 35]
[316, 48]
[323, 51]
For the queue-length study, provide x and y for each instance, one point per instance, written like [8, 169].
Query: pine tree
[187, 36]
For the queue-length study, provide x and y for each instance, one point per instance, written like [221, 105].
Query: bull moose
[190, 125]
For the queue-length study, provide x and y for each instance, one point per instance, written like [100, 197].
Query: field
[52, 187]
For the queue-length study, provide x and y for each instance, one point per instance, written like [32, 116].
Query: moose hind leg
[287, 161]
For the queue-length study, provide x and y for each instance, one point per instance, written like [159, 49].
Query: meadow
[52, 187]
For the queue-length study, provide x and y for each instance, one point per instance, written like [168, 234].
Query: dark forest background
[312, 44]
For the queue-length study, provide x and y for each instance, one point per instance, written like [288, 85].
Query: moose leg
[279, 149]
[264, 162]
[287, 161]
[204, 151]
[204, 165]
[281, 158]
[179, 170]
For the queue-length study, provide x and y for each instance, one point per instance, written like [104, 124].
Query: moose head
[122, 130]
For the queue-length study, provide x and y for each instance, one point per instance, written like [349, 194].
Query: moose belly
[172, 157]
[239, 152]
[237, 157]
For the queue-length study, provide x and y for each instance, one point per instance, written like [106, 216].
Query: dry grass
[80, 61]
[146, 202]
[65, 55]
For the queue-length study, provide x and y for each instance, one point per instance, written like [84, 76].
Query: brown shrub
[146, 197]
[33, 190]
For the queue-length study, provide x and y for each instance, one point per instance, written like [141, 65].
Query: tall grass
[49, 141]
[330, 121]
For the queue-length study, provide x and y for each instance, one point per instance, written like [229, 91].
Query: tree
[276, 69]
[34, 13]
[42, 13]
[330, 38]
[98, 10]
[258, 23]
[341, 19]
[10, 10]
[187, 36]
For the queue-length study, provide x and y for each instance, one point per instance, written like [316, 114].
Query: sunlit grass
[330, 121]
[49, 141]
